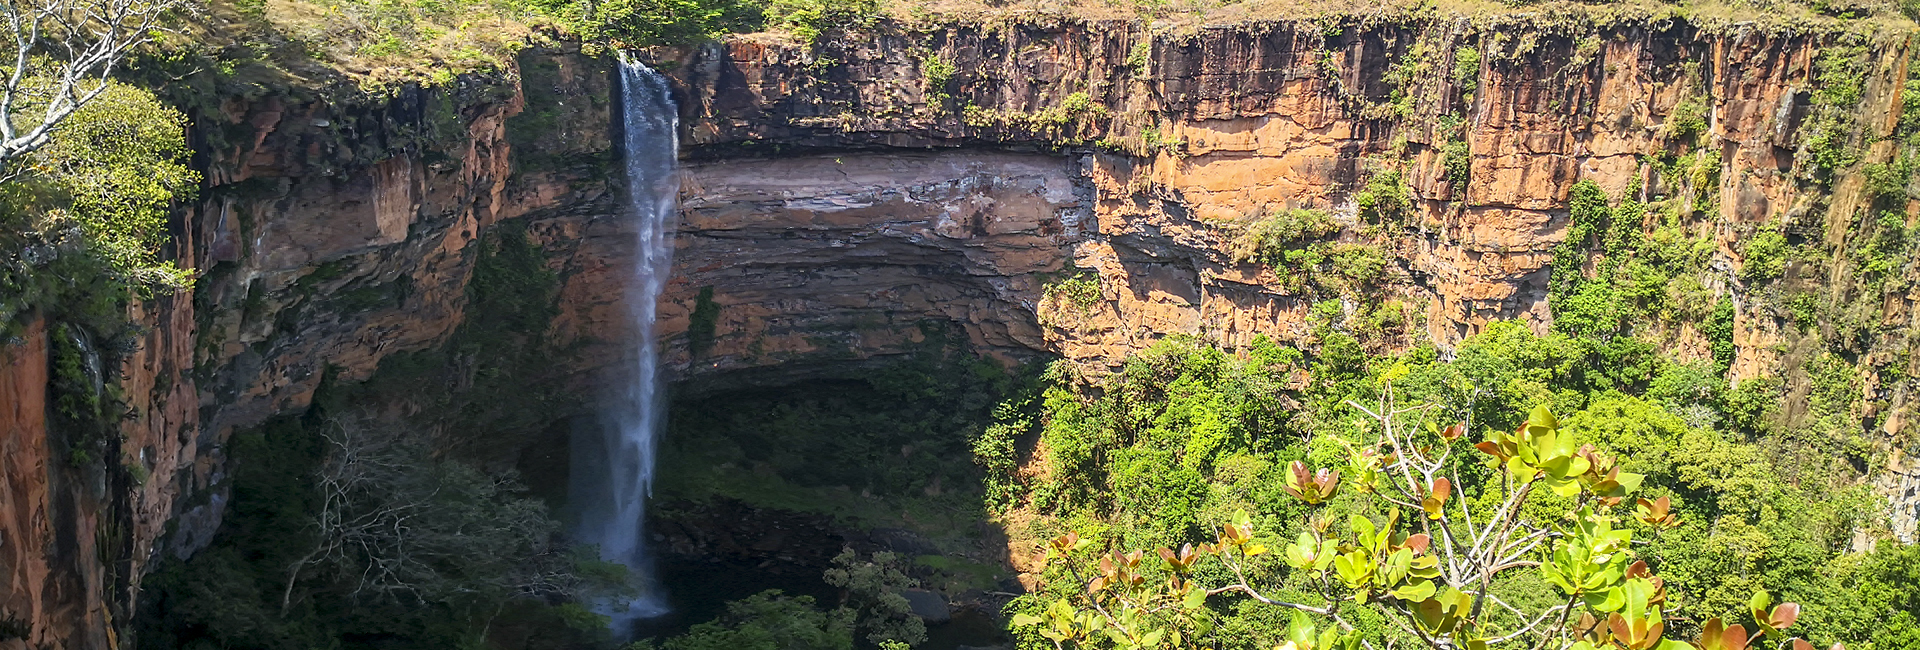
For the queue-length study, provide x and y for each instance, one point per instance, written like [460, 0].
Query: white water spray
[613, 471]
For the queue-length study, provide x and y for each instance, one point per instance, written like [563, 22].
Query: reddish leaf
[1328, 479]
[1301, 475]
[1735, 637]
[1784, 615]
[1419, 543]
[1617, 624]
[1712, 635]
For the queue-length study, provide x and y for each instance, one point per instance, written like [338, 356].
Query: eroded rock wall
[1190, 134]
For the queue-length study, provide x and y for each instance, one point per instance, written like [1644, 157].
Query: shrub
[1458, 159]
[1888, 181]
[1082, 289]
[873, 588]
[1387, 199]
[1841, 84]
[1466, 67]
[113, 170]
[1766, 256]
[768, 620]
[809, 19]
[1267, 239]
[1688, 119]
[1689, 384]
[656, 22]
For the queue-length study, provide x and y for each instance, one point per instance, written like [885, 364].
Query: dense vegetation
[1190, 437]
[348, 526]
[83, 219]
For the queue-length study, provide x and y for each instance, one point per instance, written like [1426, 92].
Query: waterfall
[613, 467]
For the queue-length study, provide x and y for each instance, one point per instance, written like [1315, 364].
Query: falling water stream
[614, 468]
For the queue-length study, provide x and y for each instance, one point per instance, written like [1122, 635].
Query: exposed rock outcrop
[1224, 124]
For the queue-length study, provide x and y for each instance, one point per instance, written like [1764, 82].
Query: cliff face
[1208, 130]
[841, 200]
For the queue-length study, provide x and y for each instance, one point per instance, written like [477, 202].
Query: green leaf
[1060, 610]
[1541, 417]
[1605, 600]
[1629, 481]
[1354, 569]
[1298, 553]
[1520, 470]
[1328, 551]
[1026, 620]
[1300, 629]
[1362, 527]
[1636, 592]
[1415, 591]
[1195, 598]
[1396, 567]
[1425, 566]
[1759, 605]
[1430, 614]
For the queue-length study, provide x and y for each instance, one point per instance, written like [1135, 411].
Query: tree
[65, 53]
[873, 591]
[394, 524]
[1539, 557]
[768, 620]
[89, 167]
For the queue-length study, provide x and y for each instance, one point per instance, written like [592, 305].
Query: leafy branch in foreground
[64, 56]
[1439, 567]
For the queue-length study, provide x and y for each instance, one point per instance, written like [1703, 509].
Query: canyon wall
[1184, 136]
[845, 201]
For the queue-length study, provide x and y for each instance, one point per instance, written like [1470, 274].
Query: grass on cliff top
[381, 44]
[1178, 16]
[374, 44]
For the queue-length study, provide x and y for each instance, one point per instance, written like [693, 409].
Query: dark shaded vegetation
[444, 551]
[859, 443]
